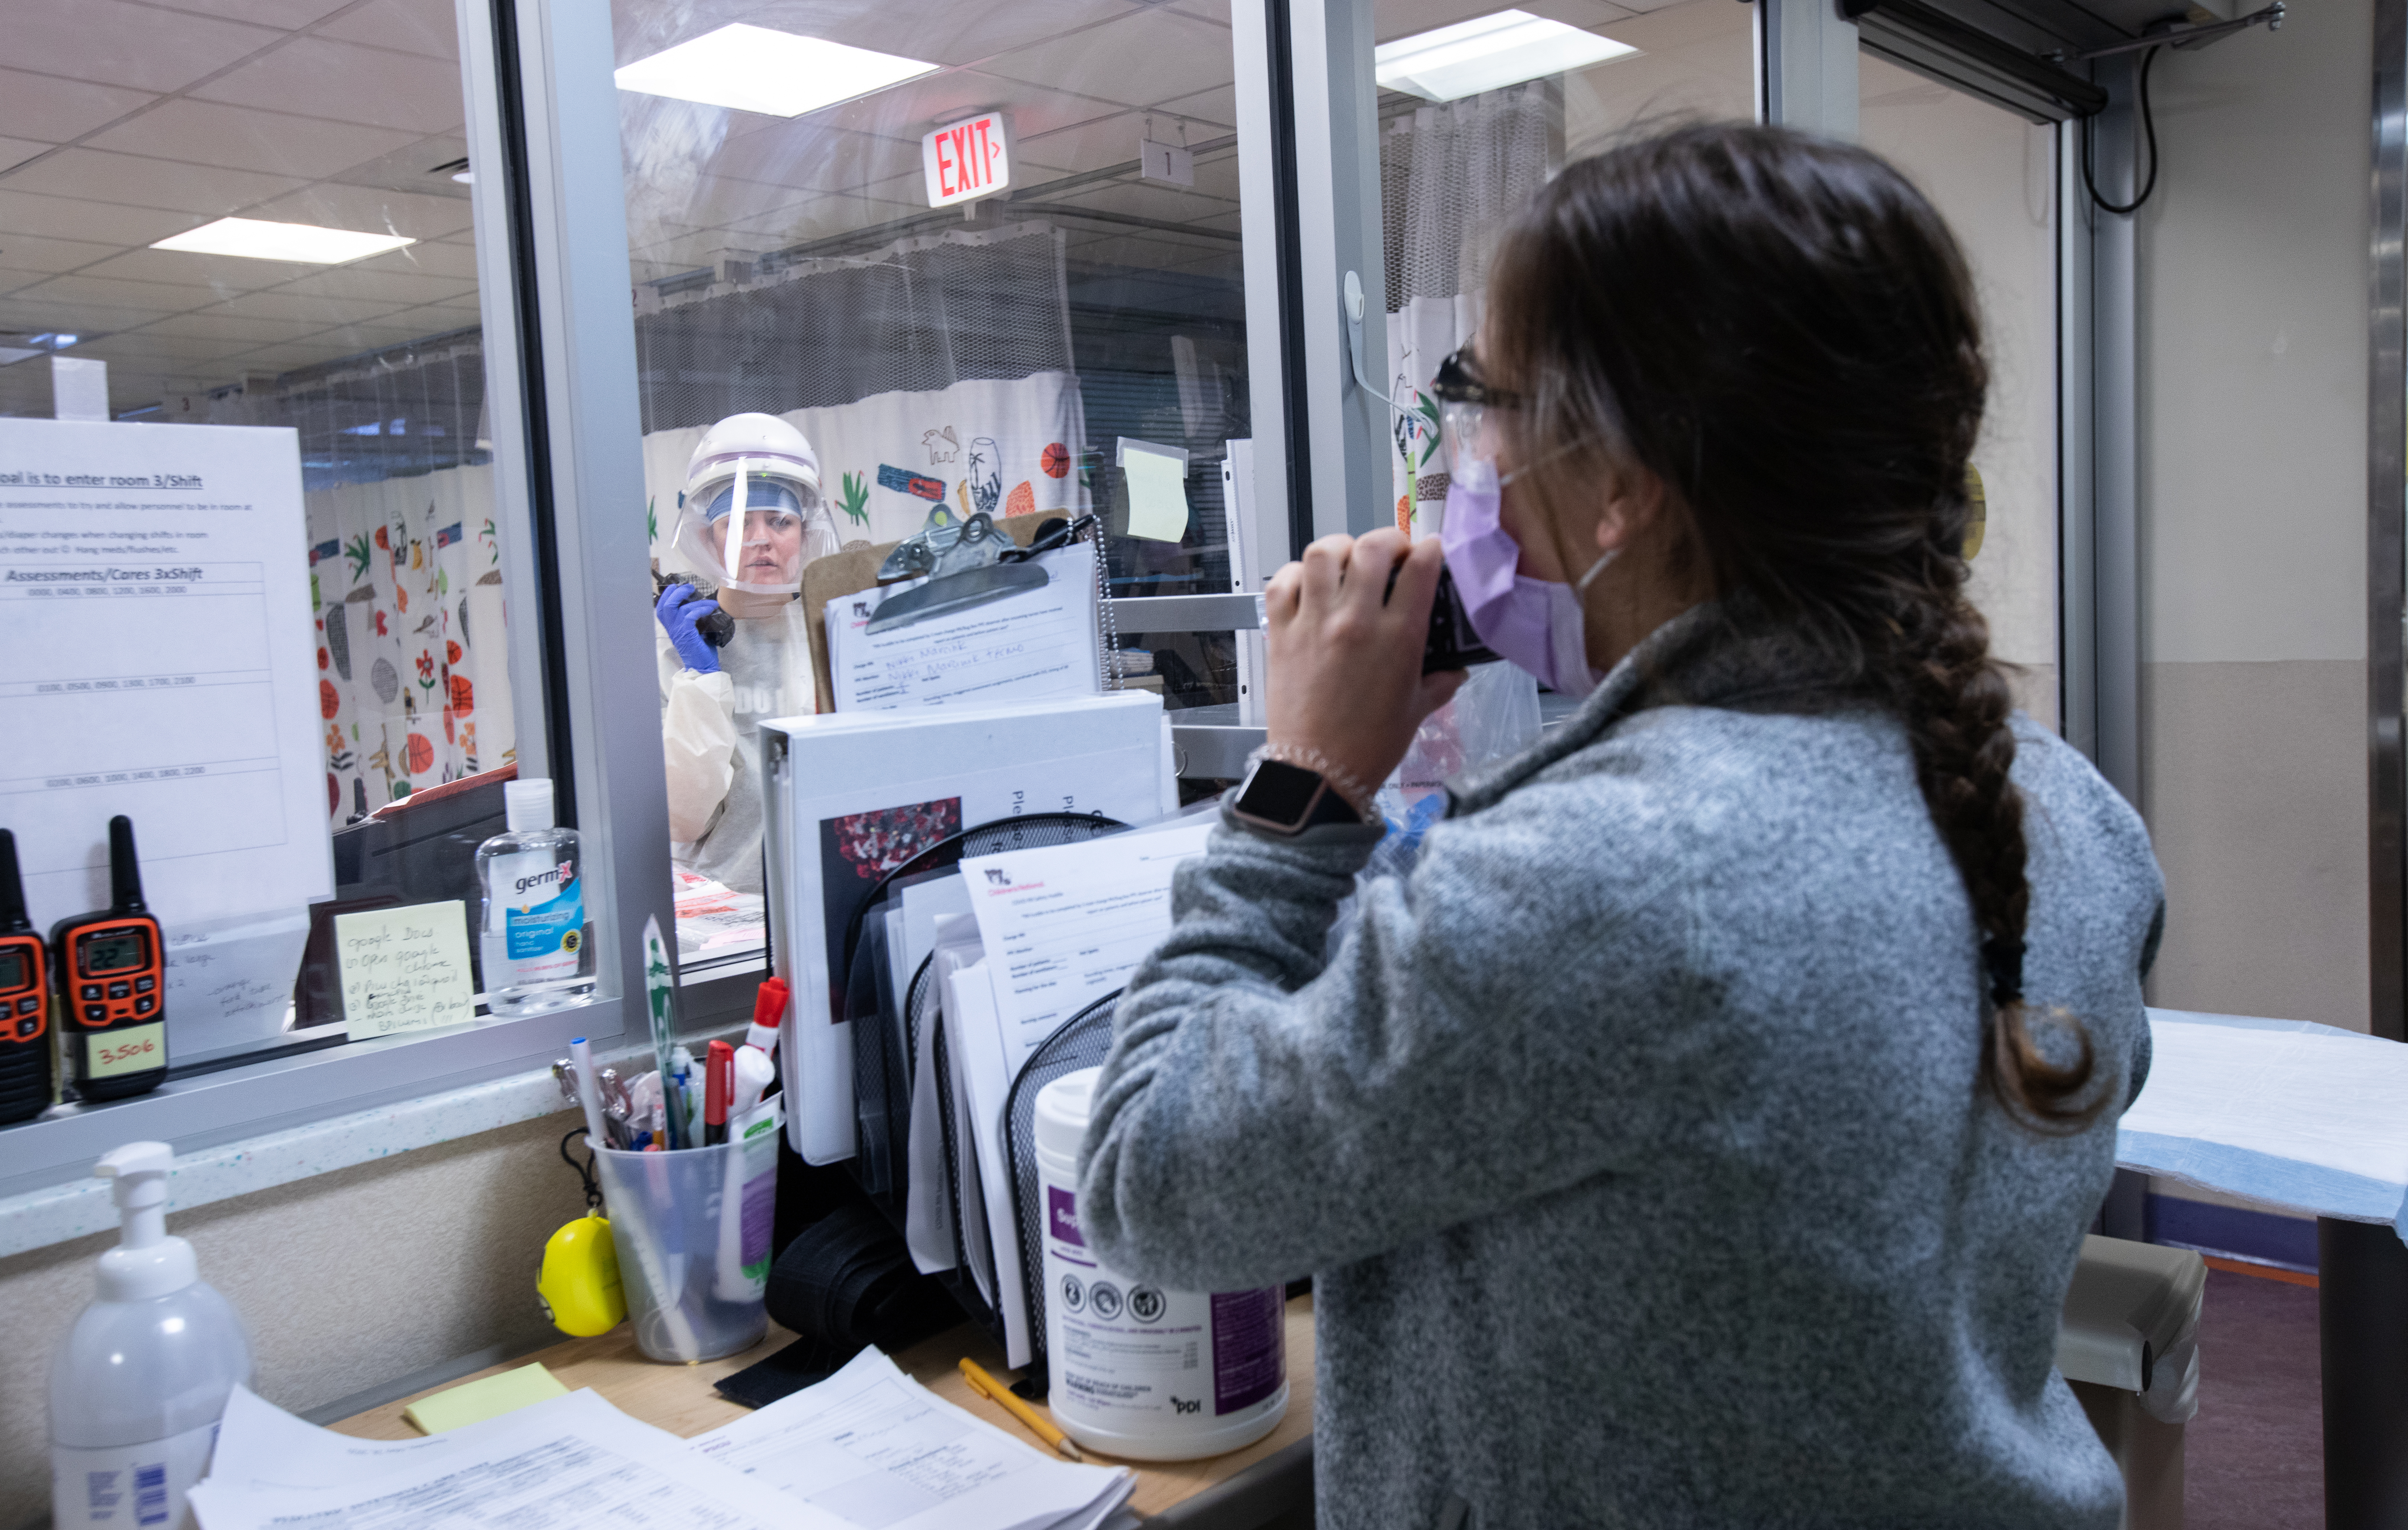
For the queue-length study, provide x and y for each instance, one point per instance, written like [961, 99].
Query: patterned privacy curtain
[413, 666]
[404, 564]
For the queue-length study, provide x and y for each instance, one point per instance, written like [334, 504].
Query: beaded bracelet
[1343, 782]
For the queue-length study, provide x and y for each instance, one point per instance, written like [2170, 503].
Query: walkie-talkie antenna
[124, 876]
[12, 889]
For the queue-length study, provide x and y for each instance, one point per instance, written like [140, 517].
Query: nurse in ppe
[751, 519]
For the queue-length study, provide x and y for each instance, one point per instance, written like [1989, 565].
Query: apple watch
[1283, 800]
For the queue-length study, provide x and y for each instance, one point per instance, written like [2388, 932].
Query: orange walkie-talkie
[24, 999]
[112, 972]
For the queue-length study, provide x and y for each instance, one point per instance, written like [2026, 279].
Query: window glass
[968, 256]
[1453, 170]
[1992, 174]
[253, 216]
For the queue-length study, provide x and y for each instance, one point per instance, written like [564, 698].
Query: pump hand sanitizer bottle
[140, 1382]
[534, 943]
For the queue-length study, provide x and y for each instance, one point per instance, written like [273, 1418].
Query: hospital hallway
[2254, 1457]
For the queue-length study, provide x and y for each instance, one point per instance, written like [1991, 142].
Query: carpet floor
[2254, 1458]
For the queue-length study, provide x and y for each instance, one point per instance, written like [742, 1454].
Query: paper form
[1041, 643]
[569, 1463]
[1065, 926]
[876, 1448]
[155, 609]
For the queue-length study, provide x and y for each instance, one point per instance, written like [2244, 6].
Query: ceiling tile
[348, 83]
[227, 274]
[26, 315]
[1144, 58]
[1214, 11]
[1217, 105]
[156, 298]
[813, 156]
[299, 308]
[940, 31]
[108, 223]
[155, 350]
[289, 15]
[112, 43]
[425, 258]
[909, 110]
[133, 179]
[217, 324]
[380, 286]
[1148, 199]
[31, 252]
[16, 152]
[246, 139]
[363, 208]
[427, 27]
[44, 107]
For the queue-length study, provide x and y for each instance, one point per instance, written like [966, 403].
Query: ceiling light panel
[256, 239]
[1489, 53]
[777, 74]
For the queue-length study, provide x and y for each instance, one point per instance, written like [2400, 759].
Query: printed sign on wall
[968, 159]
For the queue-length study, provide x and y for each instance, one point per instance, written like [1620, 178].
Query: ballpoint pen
[995, 1391]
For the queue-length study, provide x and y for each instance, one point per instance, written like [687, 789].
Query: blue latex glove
[679, 610]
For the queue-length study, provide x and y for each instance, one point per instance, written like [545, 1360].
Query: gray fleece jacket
[1635, 1140]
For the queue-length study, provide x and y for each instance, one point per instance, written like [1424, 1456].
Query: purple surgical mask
[1537, 624]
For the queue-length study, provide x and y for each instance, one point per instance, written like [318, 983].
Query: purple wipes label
[1061, 1216]
[1249, 1347]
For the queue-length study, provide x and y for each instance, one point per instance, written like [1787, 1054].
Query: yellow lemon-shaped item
[580, 1284]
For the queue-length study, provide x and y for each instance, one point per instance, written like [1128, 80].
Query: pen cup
[692, 1229]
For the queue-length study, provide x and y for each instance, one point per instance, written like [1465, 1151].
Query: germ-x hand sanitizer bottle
[533, 944]
[139, 1383]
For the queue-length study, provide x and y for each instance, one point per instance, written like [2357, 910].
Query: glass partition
[968, 256]
[1993, 175]
[256, 219]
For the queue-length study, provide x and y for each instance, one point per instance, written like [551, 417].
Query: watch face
[1279, 793]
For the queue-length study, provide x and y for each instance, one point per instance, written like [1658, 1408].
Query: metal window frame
[542, 112]
[2386, 530]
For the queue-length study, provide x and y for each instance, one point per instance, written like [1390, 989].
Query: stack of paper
[878, 1449]
[868, 1449]
[712, 917]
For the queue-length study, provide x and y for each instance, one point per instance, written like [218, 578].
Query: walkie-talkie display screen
[14, 969]
[114, 952]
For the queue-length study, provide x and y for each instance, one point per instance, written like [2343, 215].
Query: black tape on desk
[845, 1282]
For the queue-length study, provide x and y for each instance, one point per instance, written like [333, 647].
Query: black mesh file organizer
[886, 1043]
[1082, 1041]
[881, 1078]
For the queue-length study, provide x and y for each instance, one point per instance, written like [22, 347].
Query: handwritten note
[230, 981]
[404, 970]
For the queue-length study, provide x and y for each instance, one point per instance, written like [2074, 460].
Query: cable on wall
[2148, 129]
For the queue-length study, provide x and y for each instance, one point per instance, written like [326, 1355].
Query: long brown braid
[1783, 330]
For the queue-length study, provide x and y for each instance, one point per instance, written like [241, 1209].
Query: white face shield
[752, 524]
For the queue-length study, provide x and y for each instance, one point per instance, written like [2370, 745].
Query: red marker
[718, 1082]
[768, 1009]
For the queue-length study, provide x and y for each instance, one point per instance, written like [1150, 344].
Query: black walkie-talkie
[112, 975]
[24, 999]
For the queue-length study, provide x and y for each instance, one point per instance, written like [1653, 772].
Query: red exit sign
[967, 160]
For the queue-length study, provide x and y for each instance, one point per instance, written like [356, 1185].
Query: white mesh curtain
[404, 564]
[1451, 177]
[901, 366]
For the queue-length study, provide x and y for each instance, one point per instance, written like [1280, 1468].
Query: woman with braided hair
[1704, 1131]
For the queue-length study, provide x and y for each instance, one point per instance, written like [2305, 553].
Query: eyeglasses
[1457, 382]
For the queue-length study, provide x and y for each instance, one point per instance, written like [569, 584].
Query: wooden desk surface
[680, 1399]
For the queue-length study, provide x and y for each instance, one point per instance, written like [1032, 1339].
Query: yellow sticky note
[477, 1401]
[405, 970]
[1157, 494]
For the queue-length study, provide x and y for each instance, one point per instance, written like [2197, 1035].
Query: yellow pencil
[994, 1391]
